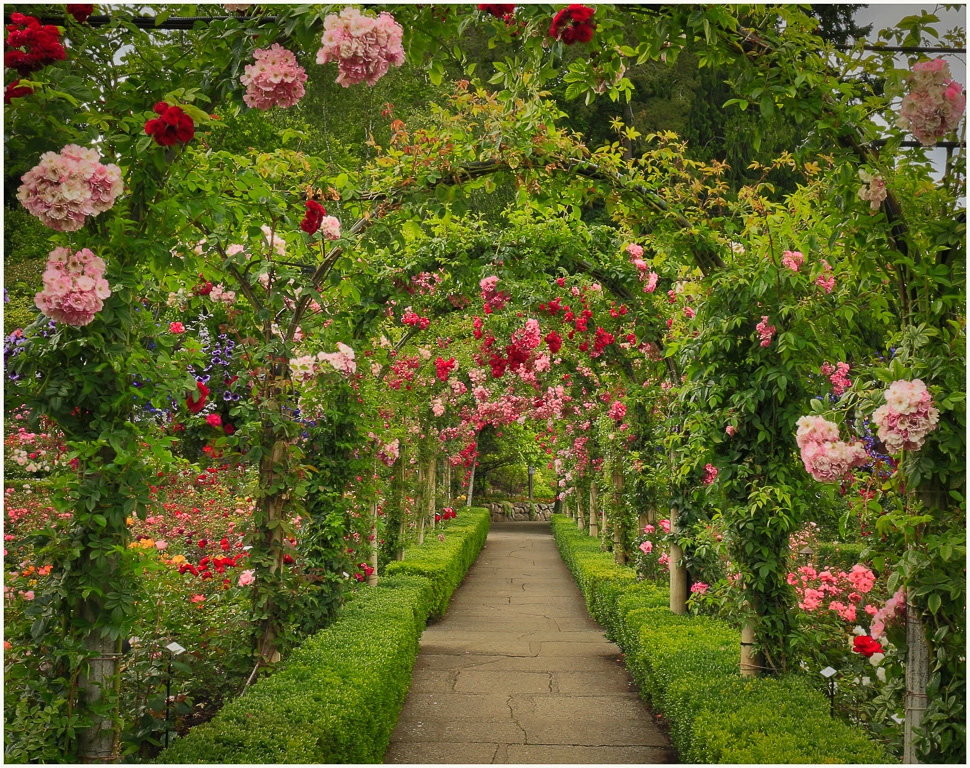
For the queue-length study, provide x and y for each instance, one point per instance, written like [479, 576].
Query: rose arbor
[670, 349]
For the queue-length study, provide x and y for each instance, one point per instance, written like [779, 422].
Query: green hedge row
[837, 555]
[687, 667]
[338, 697]
[446, 562]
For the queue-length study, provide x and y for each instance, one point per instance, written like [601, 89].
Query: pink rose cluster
[68, 186]
[364, 47]
[74, 287]
[843, 590]
[907, 417]
[617, 411]
[935, 103]
[494, 300]
[826, 457]
[894, 610]
[343, 359]
[837, 375]
[793, 260]
[275, 80]
[710, 474]
[765, 331]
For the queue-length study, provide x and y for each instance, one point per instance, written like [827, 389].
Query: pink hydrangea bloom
[364, 47]
[793, 259]
[67, 187]
[907, 417]
[935, 103]
[74, 287]
[275, 80]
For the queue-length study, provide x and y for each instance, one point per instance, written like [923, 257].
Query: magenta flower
[176, 328]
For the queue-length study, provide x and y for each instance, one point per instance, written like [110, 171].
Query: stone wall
[507, 511]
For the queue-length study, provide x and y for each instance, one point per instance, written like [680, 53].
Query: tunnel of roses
[283, 280]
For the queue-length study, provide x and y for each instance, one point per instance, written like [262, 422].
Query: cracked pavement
[517, 671]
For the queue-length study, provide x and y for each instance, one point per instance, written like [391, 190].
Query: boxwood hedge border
[687, 668]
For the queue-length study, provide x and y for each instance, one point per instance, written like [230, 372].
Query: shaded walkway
[517, 671]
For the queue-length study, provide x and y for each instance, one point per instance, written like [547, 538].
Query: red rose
[80, 12]
[498, 10]
[30, 45]
[172, 125]
[16, 91]
[866, 646]
[573, 24]
[314, 217]
[196, 405]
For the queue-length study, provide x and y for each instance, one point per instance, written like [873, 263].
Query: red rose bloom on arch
[172, 125]
[573, 24]
[31, 45]
[80, 12]
[195, 405]
[314, 217]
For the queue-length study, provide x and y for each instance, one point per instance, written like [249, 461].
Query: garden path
[517, 671]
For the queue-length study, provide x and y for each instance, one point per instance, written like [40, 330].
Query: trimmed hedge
[338, 697]
[446, 562]
[687, 667]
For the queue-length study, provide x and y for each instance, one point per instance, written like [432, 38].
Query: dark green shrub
[446, 562]
[687, 667]
[836, 555]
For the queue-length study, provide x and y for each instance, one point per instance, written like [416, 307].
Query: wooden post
[750, 663]
[100, 742]
[580, 522]
[619, 551]
[471, 484]
[400, 490]
[917, 675]
[678, 573]
[593, 513]
[375, 545]
[419, 500]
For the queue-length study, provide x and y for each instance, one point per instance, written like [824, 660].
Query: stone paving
[517, 671]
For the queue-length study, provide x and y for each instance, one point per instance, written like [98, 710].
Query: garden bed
[338, 697]
[687, 668]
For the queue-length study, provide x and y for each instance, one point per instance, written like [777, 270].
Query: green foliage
[445, 563]
[688, 668]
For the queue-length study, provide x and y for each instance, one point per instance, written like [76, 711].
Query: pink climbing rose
[246, 578]
[907, 417]
[765, 331]
[826, 457]
[873, 189]
[646, 547]
[275, 80]
[935, 103]
[364, 47]
[793, 260]
[74, 287]
[710, 474]
[68, 186]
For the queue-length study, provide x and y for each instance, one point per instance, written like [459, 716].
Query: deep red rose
[172, 125]
[196, 405]
[573, 24]
[16, 91]
[80, 12]
[866, 646]
[31, 45]
[498, 10]
[314, 217]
